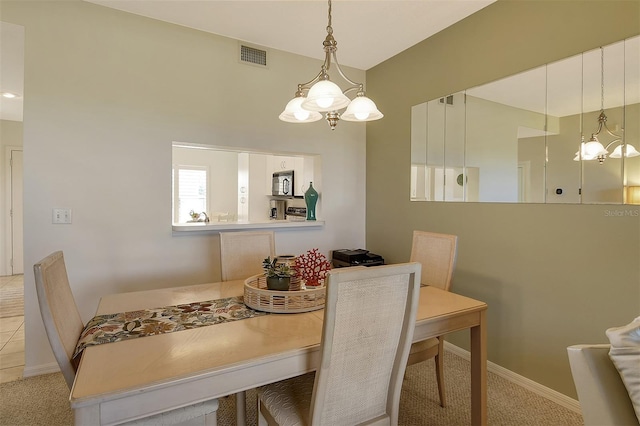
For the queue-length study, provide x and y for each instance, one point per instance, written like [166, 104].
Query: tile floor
[11, 338]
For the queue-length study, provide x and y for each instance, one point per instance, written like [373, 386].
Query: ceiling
[571, 85]
[367, 32]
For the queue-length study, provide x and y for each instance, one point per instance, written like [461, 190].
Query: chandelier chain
[329, 28]
[602, 79]
[582, 98]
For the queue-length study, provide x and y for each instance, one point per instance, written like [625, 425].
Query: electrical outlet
[61, 216]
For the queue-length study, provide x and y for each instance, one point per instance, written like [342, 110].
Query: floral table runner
[148, 322]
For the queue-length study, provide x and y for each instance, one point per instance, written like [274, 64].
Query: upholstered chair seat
[289, 402]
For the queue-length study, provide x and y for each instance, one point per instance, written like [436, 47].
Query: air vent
[448, 100]
[252, 55]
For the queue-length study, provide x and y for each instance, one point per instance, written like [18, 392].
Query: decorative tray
[257, 296]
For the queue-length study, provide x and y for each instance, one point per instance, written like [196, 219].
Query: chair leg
[439, 359]
[241, 402]
[262, 420]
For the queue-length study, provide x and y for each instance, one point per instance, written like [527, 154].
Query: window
[190, 191]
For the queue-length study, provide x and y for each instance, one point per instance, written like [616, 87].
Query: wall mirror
[230, 184]
[536, 137]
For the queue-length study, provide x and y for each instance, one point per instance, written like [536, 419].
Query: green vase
[278, 283]
[310, 199]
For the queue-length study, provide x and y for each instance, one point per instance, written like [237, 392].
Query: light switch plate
[61, 216]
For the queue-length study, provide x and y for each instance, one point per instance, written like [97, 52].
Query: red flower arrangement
[312, 267]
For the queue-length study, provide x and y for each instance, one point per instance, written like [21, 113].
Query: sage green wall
[552, 275]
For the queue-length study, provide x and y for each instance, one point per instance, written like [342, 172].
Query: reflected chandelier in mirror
[594, 150]
[515, 139]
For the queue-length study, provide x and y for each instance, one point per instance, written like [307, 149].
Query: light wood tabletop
[121, 381]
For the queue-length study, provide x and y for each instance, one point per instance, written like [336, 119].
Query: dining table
[135, 378]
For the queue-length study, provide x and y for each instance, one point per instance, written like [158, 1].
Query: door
[17, 262]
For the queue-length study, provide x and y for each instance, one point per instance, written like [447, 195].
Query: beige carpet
[43, 401]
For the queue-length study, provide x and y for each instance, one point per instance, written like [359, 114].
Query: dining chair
[241, 256]
[63, 325]
[242, 253]
[437, 255]
[369, 318]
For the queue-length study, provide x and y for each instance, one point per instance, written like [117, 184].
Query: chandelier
[594, 150]
[322, 95]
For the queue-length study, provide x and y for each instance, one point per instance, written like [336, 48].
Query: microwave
[282, 184]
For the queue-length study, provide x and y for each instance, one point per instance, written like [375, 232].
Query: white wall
[106, 93]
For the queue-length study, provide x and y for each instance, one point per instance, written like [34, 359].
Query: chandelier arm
[597, 132]
[320, 75]
[610, 132]
[327, 59]
[357, 85]
[308, 84]
[612, 142]
[352, 88]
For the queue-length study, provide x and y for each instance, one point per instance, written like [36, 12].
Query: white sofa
[603, 397]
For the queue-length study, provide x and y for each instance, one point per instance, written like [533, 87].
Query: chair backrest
[369, 319]
[437, 255]
[60, 315]
[604, 400]
[242, 253]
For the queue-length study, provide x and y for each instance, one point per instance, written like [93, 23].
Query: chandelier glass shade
[361, 109]
[293, 112]
[591, 150]
[322, 95]
[325, 96]
[630, 151]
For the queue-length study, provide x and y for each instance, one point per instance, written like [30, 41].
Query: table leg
[241, 409]
[479, 372]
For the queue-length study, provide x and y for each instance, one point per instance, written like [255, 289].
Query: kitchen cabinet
[302, 173]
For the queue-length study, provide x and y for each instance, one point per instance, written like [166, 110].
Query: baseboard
[537, 388]
[509, 375]
[41, 369]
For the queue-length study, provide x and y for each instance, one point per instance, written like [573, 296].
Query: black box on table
[355, 257]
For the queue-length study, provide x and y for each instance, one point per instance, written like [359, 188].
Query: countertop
[231, 226]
